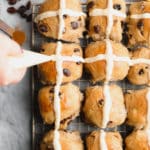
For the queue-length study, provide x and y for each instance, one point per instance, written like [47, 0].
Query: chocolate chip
[140, 24]
[43, 28]
[76, 50]
[65, 16]
[51, 90]
[125, 39]
[11, 10]
[28, 5]
[23, 15]
[90, 5]
[87, 23]
[124, 26]
[130, 35]
[42, 50]
[146, 67]
[74, 25]
[79, 63]
[79, 19]
[66, 119]
[109, 123]
[29, 18]
[66, 72]
[141, 72]
[101, 102]
[117, 6]
[22, 9]
[12, 2]
[96, 28]
[59, 93]
[85, 33]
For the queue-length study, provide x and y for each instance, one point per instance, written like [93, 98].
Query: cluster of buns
[107, 60]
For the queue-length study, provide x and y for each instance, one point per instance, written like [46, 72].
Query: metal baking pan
[38, 127]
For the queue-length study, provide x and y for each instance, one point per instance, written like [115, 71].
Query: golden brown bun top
[99, 47]
[70, 104]
[93, 107]
[136, 105]
[68, 140]
[113, 140]
[54, 5]
[137, 140]
[102, 4]
[140, 7]
[141, 53]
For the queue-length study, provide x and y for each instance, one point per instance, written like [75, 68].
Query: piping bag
[28, 59]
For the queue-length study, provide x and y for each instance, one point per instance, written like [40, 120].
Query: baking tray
[38, 127]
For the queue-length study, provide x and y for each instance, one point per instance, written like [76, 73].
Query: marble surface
[15, 100]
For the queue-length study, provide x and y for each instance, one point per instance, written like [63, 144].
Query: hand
[8, 74]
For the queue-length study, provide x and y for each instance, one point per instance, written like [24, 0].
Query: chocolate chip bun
[74, 21]
[70, 103]
[94, 107]
[68, 141]
[113, 141]
[137, 107]
[139, 26]
[98, 23]
[139, 74]
[138, 140]
[71, 70]
[98, 69]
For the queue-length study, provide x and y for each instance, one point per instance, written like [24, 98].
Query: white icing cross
[110, 59]
[62, 11]
[141, 16]
[109, 12]
[103, 144]
[57, 107]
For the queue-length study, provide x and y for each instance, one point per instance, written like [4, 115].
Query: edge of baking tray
[33, 69]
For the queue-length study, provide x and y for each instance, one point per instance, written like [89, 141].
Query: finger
[8, 46]
[19, 75]
[10, 76]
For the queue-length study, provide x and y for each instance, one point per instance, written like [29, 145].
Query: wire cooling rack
[38, 127]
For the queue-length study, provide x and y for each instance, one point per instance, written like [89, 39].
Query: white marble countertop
[15, 100]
